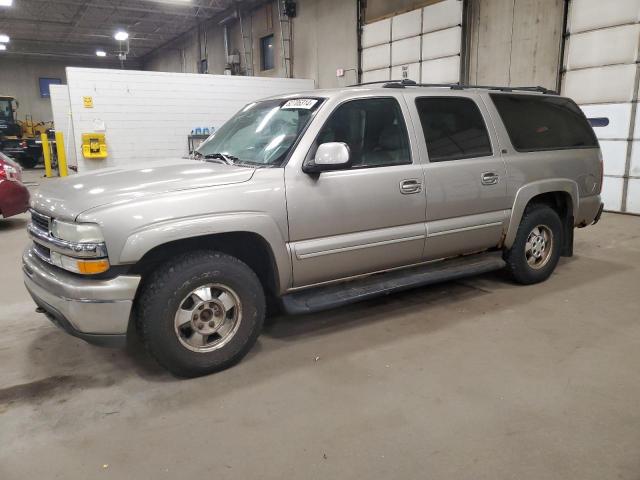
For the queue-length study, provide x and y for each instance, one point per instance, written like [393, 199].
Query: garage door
[601, 75]
[423, 45]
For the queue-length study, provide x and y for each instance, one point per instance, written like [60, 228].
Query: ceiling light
[2, 47]
[6, 3]
[121, 35]
[101, 53]
[4, 38]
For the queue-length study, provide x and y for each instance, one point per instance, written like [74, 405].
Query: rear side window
[536, 122]
[453, 128]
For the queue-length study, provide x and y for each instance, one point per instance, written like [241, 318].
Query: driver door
[365, 218]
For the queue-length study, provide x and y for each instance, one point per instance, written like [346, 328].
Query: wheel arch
[560, 194]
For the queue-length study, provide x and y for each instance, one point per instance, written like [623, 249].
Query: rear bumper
[589, 209]
[97, 311]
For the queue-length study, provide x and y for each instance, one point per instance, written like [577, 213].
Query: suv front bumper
[97, 311]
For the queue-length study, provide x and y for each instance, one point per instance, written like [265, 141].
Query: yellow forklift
[20, 139]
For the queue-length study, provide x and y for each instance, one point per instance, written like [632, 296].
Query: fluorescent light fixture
[4, 38]
[2, 47]
[6, 3]
[101, 53]
[121, 35]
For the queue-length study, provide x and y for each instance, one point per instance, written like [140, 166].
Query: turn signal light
[92, 267]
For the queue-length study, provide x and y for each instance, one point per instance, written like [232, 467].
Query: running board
[337, 295]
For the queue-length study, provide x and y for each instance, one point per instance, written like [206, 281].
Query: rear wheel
[201, 313]
[536, 249]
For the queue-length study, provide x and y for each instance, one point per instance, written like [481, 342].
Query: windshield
[6, 111]
[262, 133]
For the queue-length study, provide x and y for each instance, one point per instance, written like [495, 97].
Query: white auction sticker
[305, 103]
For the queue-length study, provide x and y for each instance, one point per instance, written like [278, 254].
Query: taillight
[7, 172]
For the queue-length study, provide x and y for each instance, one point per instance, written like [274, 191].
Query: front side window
[262, 133]
[374, 130]
[6, 110]
[537, 122]
[453, 128]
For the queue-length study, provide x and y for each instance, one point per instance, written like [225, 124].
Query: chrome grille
[40, 221]
[43, 252]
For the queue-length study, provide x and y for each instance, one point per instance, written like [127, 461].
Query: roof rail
[455, 86]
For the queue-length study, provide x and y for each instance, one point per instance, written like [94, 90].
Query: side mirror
[329, 156]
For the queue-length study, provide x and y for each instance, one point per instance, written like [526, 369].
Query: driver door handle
[409, 186]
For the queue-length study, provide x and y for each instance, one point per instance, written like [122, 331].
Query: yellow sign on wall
[88, 102]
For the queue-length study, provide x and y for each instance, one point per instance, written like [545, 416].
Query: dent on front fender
[527, 192]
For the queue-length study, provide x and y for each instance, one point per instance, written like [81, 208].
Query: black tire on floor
[164, 293]
[28, 162]
[535, 215]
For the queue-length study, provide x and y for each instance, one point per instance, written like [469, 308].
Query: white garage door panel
[619, 115]
[406, 25]
[633, 195]
[592, 14]
[376, 33]
[376, 57]
[614, 155]
[603, 47]
[601, 85]
[634, 168]
[636, 129]
[441, 15]
[612, 193]
[443, 43]
[376, 75]
[412, 70]
[442, 70]
[405, 51]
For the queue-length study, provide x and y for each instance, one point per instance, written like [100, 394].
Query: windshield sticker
[306, 103]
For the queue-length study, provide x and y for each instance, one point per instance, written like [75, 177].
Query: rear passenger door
[465, 178]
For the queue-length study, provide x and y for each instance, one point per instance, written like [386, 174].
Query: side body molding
[530, 190]
[145, 239]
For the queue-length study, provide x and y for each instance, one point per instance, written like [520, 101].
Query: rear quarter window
[536, 122]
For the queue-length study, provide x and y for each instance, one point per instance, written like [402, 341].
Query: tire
[174, 304]
[530, 263]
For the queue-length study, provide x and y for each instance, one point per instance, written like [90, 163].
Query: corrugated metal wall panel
[602, 77]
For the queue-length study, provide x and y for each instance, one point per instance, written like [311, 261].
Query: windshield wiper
[228, 159]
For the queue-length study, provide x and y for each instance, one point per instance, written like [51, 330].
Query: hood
[68, 197]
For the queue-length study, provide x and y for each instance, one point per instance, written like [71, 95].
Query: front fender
[530, 190]
[142, 241]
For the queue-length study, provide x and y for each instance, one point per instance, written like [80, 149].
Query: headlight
[77, 232]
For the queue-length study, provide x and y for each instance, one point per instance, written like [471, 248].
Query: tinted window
[536, 122]
[453, 128]
[374, 130]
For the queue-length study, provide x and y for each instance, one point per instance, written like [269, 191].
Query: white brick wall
[148, 115]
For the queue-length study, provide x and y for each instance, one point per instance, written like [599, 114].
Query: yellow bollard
[62, 157]
[46, 152]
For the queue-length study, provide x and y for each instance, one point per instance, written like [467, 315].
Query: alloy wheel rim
[539, 247]
[208, 317]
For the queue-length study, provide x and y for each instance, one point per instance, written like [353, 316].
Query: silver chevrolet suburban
[308, 202]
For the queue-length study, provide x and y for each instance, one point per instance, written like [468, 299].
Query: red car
[14, 196]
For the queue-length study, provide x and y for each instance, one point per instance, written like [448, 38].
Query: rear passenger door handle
[490, 178]
[410, 186]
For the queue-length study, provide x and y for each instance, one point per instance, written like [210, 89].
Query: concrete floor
[479, 379]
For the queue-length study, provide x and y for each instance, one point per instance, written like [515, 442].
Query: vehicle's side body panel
[574, 171]
[159, 219]
[463, 214]
[350, 222]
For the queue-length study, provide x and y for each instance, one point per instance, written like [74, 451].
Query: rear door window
[453, 128]
[536, 122]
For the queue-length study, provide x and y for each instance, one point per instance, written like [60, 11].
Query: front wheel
[536, 249]
[201, 313]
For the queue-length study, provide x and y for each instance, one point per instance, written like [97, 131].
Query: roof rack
[456, 86]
